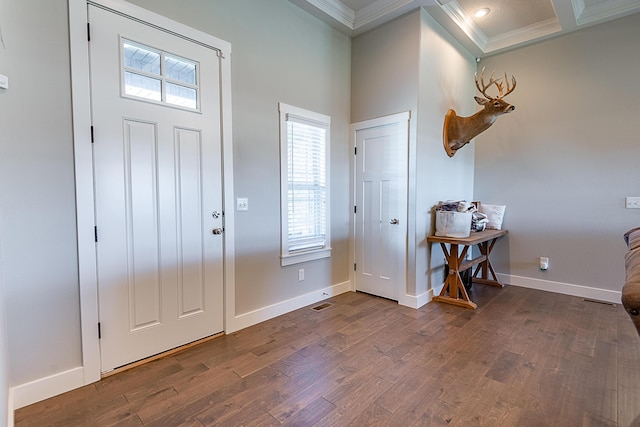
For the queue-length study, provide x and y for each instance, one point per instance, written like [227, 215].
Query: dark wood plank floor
[523, 358]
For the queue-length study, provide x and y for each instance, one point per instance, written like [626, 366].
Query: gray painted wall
[280, 53]
[385, 67]
[564, 160]
[446, 81]
[412, 64]
[4, 350]
[37, 191]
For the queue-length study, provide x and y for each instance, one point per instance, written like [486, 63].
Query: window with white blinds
[304, 148]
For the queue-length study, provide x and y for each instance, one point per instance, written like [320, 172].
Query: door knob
[217, 231]
[394, 221]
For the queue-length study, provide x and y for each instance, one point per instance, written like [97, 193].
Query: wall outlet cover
[544, 263]
[632, 202]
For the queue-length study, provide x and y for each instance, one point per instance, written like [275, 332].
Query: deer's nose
[511, 108]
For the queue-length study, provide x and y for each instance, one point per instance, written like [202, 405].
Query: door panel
[366, 227]
[190, 219]
[157, 174]
[381, 214]
[141, 207]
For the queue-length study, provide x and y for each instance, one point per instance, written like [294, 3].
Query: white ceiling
[510, 24]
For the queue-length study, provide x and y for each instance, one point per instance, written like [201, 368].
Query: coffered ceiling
[510, 23]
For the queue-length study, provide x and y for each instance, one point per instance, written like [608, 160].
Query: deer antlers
[498, 83]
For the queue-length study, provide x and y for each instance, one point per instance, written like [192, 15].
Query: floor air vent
[598, 301]
[321, 306]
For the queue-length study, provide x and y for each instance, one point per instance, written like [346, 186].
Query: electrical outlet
[300, 274]
[632, 202]
[242, 204]
[544, 263]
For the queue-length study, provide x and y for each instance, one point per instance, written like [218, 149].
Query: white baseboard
[562, 288]
[527, 282]
[436, 291]
[262, 314]
[416, 301]
[44, 388]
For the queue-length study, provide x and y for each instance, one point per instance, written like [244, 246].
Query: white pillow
[495, 214]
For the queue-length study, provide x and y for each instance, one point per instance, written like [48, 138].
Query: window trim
[299, 256]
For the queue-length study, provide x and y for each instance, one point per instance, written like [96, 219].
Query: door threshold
[159, 356]
[378, 296]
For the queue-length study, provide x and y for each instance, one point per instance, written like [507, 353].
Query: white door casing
[381, 179]
[158, 182]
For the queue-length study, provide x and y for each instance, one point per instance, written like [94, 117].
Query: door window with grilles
[153, 75]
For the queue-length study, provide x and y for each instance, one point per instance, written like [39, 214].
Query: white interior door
[158, 188]
[381, 205]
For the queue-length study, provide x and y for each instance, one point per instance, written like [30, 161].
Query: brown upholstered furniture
[631, 289]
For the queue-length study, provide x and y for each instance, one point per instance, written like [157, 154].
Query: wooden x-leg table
[453, 291]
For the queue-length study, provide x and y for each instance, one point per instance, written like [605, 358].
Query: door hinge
[355, 151]
[354, 267]
[99, 330]
[355, 209]
[88, 32]
[92, 140]
[95, 233]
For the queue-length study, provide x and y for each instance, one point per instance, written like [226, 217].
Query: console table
[453, 291]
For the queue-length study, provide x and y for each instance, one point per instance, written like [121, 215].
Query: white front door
[381, 205]
[155, 102]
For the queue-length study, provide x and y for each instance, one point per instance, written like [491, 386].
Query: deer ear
[481, 101]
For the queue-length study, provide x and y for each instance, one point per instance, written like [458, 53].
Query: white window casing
[304, 177]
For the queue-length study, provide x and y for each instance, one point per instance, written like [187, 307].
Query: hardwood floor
[523, 358]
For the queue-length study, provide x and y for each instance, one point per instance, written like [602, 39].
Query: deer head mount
[458, 131]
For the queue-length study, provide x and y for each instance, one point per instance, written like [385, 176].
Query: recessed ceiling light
[480, 13]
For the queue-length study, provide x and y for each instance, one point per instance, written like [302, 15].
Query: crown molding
[466, 24]
[605, 10]
[380, 9]
[523, 35]
[570, 15]
[336, 10]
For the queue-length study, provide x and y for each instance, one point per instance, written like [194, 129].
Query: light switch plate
[242, 204]
[4, 82]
